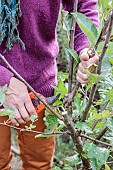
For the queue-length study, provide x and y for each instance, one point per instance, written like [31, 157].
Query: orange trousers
[36, 153]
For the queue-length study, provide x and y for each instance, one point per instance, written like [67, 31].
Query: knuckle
[16, 104]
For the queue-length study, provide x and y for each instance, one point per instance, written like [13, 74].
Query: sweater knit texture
[37, 28]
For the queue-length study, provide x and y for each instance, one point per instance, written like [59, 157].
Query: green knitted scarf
[9, 19]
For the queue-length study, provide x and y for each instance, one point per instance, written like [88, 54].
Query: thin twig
[103, 32]
[29, 87]
[53, 133]
[91, 97]
[102, 133]
[32, 131]
[95, 140]
[71, 45]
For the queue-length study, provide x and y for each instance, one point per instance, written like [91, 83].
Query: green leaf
[109, 94]
[74, 54]
[33, 118]
[111, 60]
[72, 160]
[3, 88]
[56, 168]
[67, 21]
[6, 112]
[61, 87]
[67, 168]
[99, 116]
[107, 167]
[109, 49]
[109, 123]
[83, 126]
[2, 94]
[99, 125]
[93, 78]
[97, 155]
[87, 26]
[51, 122]
[79, 105]
[63, 76]
[30, 127]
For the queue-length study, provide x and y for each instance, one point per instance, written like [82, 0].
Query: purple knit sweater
[37, 27]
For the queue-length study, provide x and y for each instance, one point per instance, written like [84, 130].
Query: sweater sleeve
[5, 76]
[88, 8]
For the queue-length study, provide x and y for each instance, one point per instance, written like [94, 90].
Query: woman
[37, 65]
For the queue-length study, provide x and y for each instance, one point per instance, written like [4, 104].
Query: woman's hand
[17, 97]
[81, 75]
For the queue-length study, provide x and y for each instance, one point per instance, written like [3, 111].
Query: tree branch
[29, 87]
[95, 140]
[71, 45]
[102, 133]
[32, 131]
[77, 141]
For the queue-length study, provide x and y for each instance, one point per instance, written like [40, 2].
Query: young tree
[87, 119]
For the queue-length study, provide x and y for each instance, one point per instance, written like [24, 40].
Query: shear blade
[53, 99]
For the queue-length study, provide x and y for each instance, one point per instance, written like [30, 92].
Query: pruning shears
[39, 106]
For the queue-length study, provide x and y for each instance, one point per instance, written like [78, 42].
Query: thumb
[84, 55]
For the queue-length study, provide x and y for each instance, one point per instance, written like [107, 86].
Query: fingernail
[17, 124]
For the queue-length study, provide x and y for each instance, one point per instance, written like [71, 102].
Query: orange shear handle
[41, 106]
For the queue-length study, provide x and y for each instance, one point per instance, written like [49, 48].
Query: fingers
[85, 62]
[81, 68]
[18, 118]
[84, 55]
[81, 80]
[81, 77]
[93, 60]
[24, 114]
[29, 106]
[14, 121]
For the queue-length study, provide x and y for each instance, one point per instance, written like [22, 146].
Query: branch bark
[102, 133]
[71, 45]
[95, 140]
[77, 141]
